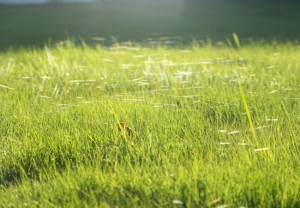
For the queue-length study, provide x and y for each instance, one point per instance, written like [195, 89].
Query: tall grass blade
[248, 114]
[236, 40]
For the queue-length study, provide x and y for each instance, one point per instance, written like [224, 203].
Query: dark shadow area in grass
[141, 21]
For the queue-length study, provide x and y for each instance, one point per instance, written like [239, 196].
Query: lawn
[210, 125]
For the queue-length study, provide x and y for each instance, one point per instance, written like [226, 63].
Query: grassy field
[210, 126]
[141, 20]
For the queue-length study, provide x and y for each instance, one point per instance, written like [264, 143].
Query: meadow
[211, 125]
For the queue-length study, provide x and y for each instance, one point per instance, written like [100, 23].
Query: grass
[193, 146]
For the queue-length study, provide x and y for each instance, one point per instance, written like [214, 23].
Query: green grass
[212, 126]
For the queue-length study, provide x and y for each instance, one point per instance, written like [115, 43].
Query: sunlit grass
[64, 109]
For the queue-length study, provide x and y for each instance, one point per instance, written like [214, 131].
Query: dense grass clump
[209, 126]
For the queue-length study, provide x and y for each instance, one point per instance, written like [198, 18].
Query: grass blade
[248, 114]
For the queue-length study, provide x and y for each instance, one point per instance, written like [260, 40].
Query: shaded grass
[59, 139]
[183, 21]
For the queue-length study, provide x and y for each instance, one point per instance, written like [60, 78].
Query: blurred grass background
[28, 25]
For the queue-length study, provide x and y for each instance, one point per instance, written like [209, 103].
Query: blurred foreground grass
[60, 145]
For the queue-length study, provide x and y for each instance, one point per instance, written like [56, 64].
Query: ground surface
[210, 126]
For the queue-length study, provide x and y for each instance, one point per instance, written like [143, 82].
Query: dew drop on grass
[242, 144]
[262, 149]
[225, 143]
[260, 127]
[44, 96]
[177, 201]
[223, 206]
[233, 132]
[273, 91]
[272, 119]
